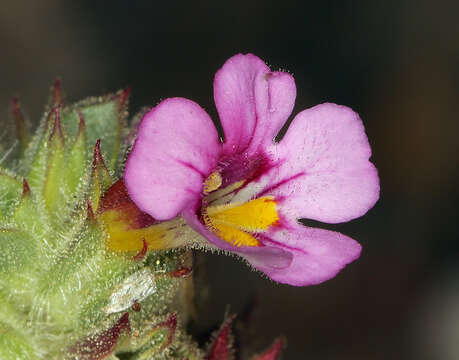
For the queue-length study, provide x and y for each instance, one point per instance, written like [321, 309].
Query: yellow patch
[213, 182]
[121, 238]
[234, 222]
[224, 195]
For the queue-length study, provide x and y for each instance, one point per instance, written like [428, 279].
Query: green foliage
[63, 294]
[10, 191]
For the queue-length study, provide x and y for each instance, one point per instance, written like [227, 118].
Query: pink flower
[245, 194]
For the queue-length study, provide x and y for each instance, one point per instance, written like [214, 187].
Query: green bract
[62, 294]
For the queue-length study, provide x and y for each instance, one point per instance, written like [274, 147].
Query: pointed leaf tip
[124, 96]
[101, 179]
[57, 128]
[19, 121]
[57, 93]
[16, 108]
[171, 325]
[98, 347]
[273, 352]
[97, 155]
[98, 162]
[90, 212]
[222, 346]
[81, 124]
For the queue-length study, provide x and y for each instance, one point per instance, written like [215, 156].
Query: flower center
[238, 223]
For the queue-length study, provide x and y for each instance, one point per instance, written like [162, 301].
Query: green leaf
[105, 119]
[14, 345]
[17, 248]
[53, 189]
[76, 175]
[100, 177]
[10, 193]
[39, 150]
[30, 219]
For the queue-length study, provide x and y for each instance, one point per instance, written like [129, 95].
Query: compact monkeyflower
[246, 193]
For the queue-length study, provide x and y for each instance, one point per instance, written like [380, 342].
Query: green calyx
[63, 295]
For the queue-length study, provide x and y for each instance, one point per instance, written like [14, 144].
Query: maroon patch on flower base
[117, 198]
[241, 167]
[98, 347]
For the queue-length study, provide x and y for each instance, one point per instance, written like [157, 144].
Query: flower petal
[264, 256]
[323, 172]
[252, 102]
[318, 255]
[176, 149]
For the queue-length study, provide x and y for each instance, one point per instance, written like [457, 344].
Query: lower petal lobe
[317, 255]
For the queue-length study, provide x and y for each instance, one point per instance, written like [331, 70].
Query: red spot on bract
[100, 346]
[180, 272]
[142, 252]
[222, 346]
[25, 188]
[136, 306]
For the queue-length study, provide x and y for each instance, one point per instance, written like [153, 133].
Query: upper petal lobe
[253, 103]
[176, 149]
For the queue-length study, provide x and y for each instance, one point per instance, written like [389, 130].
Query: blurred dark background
[395, 62]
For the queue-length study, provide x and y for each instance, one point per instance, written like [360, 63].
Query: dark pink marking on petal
[270, 188]
[192, 167]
